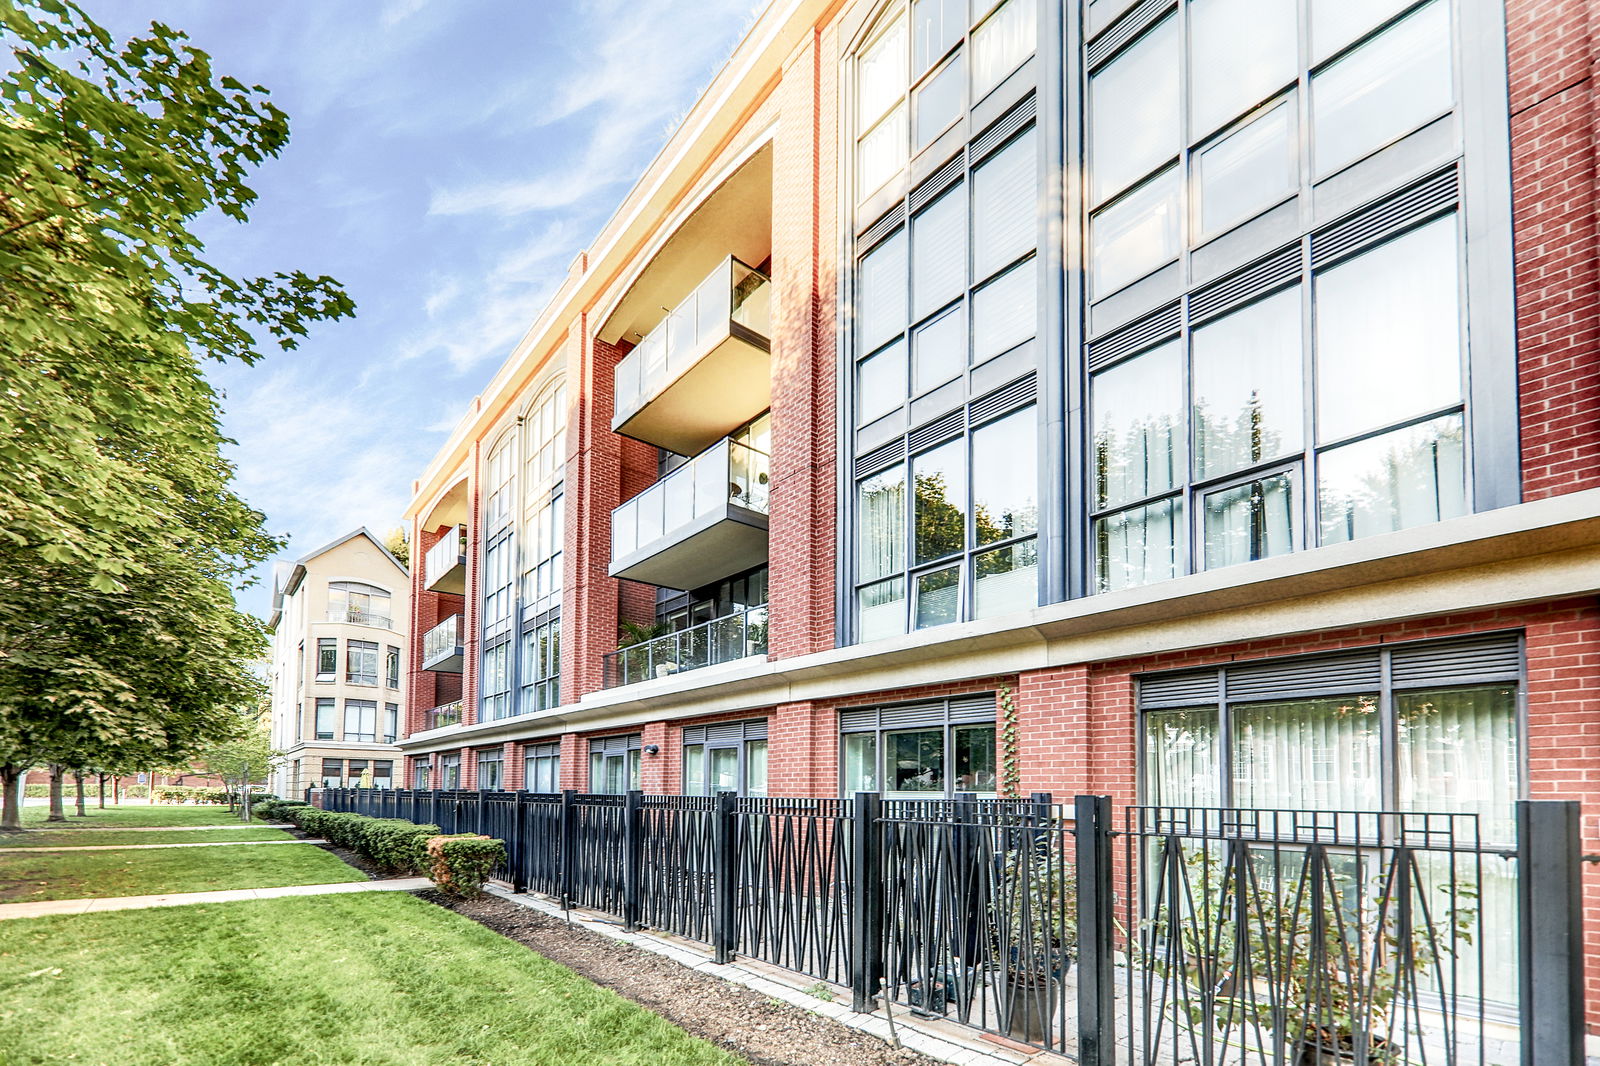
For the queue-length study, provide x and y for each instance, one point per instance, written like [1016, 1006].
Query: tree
[398, 541]
[244, 759]
[123, 537]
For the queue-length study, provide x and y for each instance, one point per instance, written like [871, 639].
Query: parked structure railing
[357, 616]
[443, 715]
[1290, 938]
[725, 473]
[721, 640]
[442, 640]
[444, 556]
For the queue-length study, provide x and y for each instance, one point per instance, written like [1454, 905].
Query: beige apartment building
[338, 625]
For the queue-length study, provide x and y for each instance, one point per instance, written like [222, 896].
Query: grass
[383, 979]
[66, 838]
[33, 816]
[26, 877]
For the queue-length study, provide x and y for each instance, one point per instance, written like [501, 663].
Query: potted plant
[1035, 922]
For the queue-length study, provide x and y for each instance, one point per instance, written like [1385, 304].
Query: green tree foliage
[244, 758]
[119, 641]
[398, 541]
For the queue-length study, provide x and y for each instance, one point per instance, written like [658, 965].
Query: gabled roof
[287, 578]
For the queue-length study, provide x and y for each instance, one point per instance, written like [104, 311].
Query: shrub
[275, 810]
[137, 791]
[396, 844]
[460, 864]
[188, 794]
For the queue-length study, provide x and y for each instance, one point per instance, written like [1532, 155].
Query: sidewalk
[47, 827]
[139, 847]
[44, 908]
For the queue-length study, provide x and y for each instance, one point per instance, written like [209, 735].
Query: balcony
[705, 370]
[702, 522]
[441, 647]
[444, 567]
[445, 714]
[721, 640]
[358, 616]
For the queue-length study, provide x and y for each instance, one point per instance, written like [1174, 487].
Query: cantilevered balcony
[443, 715]
[444, 567]
[703, 522]
[705, 370]
[721, 640]
[441, 647]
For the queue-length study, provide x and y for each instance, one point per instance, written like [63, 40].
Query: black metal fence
[1288, 938]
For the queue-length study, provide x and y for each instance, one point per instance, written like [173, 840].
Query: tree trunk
[77, 776]
[102, 792]
[11, 811]
[58, 812]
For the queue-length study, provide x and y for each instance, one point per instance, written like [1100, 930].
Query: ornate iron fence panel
[795, 880]
[979, 916]
[1313, 937]
[536, 853]
[594, 876]
[677, 859]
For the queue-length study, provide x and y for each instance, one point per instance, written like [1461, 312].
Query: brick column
[802, 551]
[803, 750]
[655, 771]
[1555, 179]
[574, 768]
[1075, 733]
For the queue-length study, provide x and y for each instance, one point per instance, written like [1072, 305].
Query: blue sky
[448, 160]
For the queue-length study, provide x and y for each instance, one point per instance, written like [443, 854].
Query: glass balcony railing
[727, 473]
[442, 715]
[358, 616]
[735, 302]
[441, 646]
[444, 565]
[721, 640]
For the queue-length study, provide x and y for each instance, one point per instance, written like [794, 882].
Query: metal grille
[795, 883]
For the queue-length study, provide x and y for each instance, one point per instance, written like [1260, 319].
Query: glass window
[324, 719]
[881, 513]
[1307, 754]
[999, 46]
[881, 73]
[1241, 52]
[1006, 579]
[940, 503]
[1005, 198]
[927, 761]
[882, 152]
[327, 658]
[1250, 521]
[860, 763]
[914, 761]
[694, 770]
[361, 721]
[541, 668]
[881, 609]
[542, 770]
[614, 772]
[1134, 112]
[1335, 23]
[450, 771]
[881, 287]
[936, 25]
[1458, 752]
[357, 604]
[1138, 546]
[361, 662]
[1181, 765]
[490, 765]
[939, 252]
[881, 383]
[420, 775]
[939, 349]
[941, 99]
[1248, 399]
[973, 752]
[1004, 312]
[1005, 479]
[383, 773]
[1397, 480]
[755, 768]
[391, 722]
[1138, 419]
[332, 773]
[1388, 333]
[1247, 170]
[938, 597]
[496, 699]
[1135, 235]
[391, 666]
[1384, 89]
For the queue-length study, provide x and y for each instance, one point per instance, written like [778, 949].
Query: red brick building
[1189, 411]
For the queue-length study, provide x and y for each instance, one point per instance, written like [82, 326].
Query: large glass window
[391, 666]
[361, 721]
[541, 767]
[614, 765]
[541, 667]
[496, 682]
[726, 759]
[914, 81]
[936, 760]
[491, 770]
[450, 771]
[361, 662]
[325, 712]
[332, 773]
[391, 722]
[358, 604]
[1203, 446]
[327, 659]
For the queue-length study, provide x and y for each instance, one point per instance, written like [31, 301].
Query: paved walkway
[46, 907]
[139, 847]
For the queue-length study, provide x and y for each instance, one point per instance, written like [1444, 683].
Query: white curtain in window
[1307, 755]
[1181, 758]
[1458, 754]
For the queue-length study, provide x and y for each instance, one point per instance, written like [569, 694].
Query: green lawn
[80, 875]
[129, 816]
[66, 838]
[379, 979]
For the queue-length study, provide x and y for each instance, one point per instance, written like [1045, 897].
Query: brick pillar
[655, 771]
[574, 768]
[803, 750]
[1075, 733]
[802, 550]
[1555, 178]
[469, 767]
[513, 771]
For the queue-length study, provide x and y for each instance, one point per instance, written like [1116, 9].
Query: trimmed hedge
[392, 843]
[273, 810]
[188, 794]
[460, 864]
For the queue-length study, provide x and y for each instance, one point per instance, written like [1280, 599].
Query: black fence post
[1550, 917]
[866, 901]
[569, 833]
[725, 879]
[632, 857]
[1096, 1010]
[517, 843]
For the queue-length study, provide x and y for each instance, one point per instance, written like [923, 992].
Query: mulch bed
[764, 1031]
